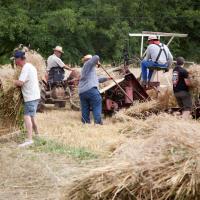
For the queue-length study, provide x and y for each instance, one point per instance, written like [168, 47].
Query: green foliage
[50, 146]
[96, 26]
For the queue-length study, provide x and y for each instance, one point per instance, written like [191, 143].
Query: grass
[65, 127]
[50, 146]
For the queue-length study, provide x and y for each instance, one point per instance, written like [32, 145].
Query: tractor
[57, 90]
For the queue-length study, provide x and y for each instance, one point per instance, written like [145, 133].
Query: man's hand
[98, 64]
[110, 78]
[18, 83]
[188, 82]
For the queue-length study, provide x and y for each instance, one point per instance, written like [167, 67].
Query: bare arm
[67, 67]
[187, 82]
[18, 83]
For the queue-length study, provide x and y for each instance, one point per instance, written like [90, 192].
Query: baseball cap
[19, 54]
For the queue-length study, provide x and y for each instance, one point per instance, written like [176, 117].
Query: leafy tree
[96, 26]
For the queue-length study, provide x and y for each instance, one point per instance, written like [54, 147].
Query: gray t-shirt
[89, 78]
[54, 61]
[153, 51]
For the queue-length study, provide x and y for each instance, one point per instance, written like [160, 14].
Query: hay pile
[163, 102]
[138, 110]
[166, 99]
[194, 74]
[163, 165]
[11, 105]
[38, 61]
[32, 57]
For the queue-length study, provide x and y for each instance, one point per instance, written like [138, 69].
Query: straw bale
[11, 105]
[166, 99]
[164, 165]
[37, 60]
[194, 75]
[138, 110]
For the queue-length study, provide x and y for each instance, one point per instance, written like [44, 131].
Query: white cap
[152, 37]
[58, 48]
[86, 57]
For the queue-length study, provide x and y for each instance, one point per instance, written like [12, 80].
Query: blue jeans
[30, 107]
[91, 99]
[145, 64]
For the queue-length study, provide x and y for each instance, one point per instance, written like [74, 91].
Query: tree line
[96, 26]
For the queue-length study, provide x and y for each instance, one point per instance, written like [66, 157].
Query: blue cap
[19, 54]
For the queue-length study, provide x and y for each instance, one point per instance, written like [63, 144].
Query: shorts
[30, 107]
[184, 100]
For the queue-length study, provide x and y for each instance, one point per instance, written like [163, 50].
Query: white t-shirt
[30, 88]
[54, 61]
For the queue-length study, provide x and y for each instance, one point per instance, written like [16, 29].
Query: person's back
[90, 97]
[30, 88]
[153, 52]
[89, 78]
[158, 55]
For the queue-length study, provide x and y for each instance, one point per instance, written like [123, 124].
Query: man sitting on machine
[158, 56]
[55, 66]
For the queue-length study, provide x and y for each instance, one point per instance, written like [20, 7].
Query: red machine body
[114, 99]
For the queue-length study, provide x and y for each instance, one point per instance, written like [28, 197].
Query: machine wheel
[74, 99]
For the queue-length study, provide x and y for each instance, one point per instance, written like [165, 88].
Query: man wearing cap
[181, 84]
[88, 89]
[157, 55]
[28, 81]
[55, 66]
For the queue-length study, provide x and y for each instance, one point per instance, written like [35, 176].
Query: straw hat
[58, 48]
[87, 57]
[152, 37]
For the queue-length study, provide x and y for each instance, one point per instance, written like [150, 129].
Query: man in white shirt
[158, 55]
[28, 81]
[55, 66]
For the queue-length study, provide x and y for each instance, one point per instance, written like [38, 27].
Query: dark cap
[180, 61]
[19, 54]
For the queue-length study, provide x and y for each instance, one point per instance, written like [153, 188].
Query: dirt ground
[36, 173]
[66, 149]
[25, 174]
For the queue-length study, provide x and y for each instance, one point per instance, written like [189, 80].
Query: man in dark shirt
[181, 85]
